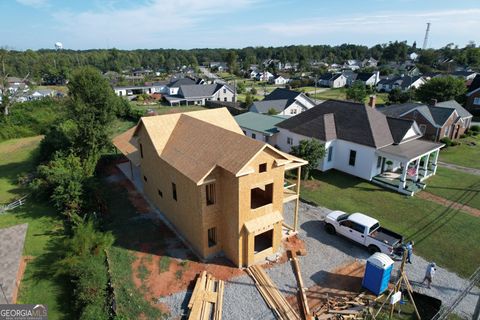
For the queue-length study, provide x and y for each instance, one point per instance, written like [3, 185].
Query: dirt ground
[447, 203]
[344, 281]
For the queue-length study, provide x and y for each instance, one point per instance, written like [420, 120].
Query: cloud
[150, 23]
[33, 3]
[390, 25]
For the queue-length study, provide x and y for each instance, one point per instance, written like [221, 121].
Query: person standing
[429, 274]
[409, 251]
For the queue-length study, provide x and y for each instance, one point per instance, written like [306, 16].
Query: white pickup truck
[364, 230]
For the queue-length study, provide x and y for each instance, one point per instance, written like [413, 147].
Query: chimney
[433, 102]
[372, 101]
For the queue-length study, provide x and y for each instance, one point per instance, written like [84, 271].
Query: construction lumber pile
[272, 296]
[344, 307]
[207, 298]
[301, 287]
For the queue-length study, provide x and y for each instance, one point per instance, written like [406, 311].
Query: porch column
[417, 167]
[403, 177]
[425, 166]
[435, 160]
[295, 216]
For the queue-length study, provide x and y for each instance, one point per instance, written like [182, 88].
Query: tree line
[53, 64]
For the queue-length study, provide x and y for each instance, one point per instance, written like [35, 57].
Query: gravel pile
[325, 253]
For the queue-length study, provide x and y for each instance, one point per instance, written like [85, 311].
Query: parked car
[364, 230]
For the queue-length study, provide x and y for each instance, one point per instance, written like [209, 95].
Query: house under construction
[222, 191]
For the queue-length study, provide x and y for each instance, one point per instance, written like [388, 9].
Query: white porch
[406, 166]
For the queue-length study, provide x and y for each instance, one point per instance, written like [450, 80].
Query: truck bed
[386, 236]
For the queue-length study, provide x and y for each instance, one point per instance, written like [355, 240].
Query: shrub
[463, 136]
[447, 141]
[475, 128]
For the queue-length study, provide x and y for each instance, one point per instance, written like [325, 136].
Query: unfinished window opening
[212, 237]
[145, 178]
[160, 193]
[210, 193]
[174, 191]
[263, 241]
[261, 196]
[262, 167]
[141, 151]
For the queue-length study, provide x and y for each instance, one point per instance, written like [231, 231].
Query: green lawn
[455, 186]
[130, 234]
[463, 154]
[40, 284]
[448, 237]
[341, 94]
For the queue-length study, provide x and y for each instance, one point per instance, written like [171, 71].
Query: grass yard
[448, 237]
[464, 154]
[341, 94]
[39, 284]
[455, 186]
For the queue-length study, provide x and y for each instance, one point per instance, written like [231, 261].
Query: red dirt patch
[448, 203]
[135, 197]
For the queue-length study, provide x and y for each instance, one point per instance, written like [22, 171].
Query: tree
[93, 105]
[272, 111]
[357, 92]
[232, 61]
[248, 99]
[442, 89]
[398, 96]
[240, 87]
[63, 176]
[312, 151]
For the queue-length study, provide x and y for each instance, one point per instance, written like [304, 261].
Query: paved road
[459, 168]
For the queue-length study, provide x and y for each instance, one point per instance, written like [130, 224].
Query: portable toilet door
[377, 273]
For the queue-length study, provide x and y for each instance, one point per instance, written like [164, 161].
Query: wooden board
[207, 298]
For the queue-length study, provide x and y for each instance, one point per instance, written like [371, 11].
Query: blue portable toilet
[377, 273]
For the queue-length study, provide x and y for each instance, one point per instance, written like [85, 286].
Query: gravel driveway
[324, 253]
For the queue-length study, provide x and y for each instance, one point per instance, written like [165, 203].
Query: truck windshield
[374, 227]
[342, 217]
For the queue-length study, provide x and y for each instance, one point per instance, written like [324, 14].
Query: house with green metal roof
[259, 126]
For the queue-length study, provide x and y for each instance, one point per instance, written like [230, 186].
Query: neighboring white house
[264, 76]
[198, 94]
[40, 94]
[363, 142]
[284, 102]
[278, 80]
[335, 80]
[403, 83]
[369, 78]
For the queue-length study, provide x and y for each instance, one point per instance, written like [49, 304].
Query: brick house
[435, 120]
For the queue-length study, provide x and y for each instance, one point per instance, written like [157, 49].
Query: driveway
[324, 254]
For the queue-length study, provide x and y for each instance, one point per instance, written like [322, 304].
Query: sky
[186, 24]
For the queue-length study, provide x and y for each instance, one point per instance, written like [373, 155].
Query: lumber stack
[207, 298]
[272, 296]
[345, 307]
[301, 287]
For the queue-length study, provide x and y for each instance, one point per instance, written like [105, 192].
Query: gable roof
[199, 90]
[197, 142]
[179, 82]
[399, 128]
[364, 76]
[475, 84]
[353, 122]
[265, 105]
[282, 94]
[452, 104]
[259, 122]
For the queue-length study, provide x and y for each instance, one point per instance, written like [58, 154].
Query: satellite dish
[58, 45]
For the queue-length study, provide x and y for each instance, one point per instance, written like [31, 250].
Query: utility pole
[425, 40]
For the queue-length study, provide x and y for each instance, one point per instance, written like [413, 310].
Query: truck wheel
[373, 249]
[330, 229]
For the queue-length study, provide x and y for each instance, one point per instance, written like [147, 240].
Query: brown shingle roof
[196, 142]
[353, 122]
